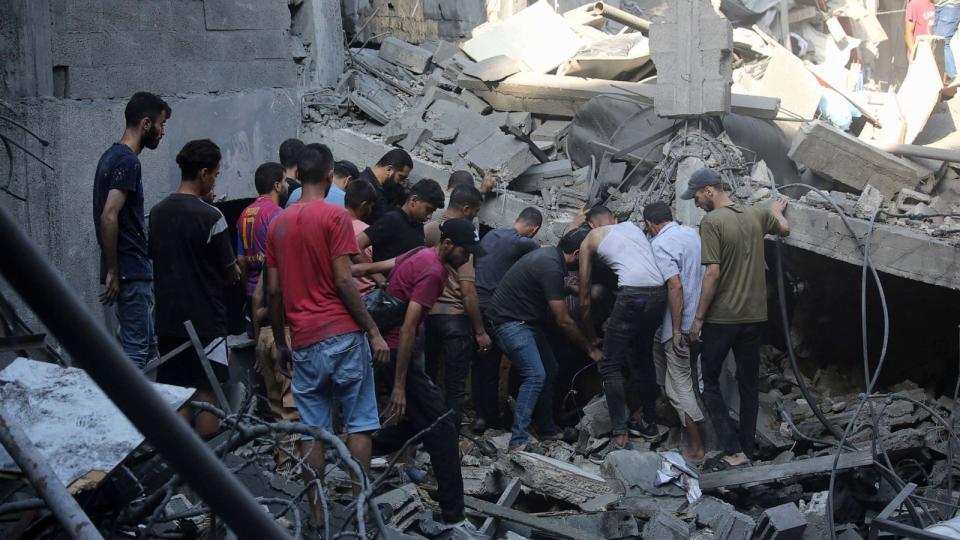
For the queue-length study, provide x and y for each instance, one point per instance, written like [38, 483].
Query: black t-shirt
[119, 168]
[190, 248]
[381, 205]
[524, 293]
[502, 248]
[394, 234]
[293, 183]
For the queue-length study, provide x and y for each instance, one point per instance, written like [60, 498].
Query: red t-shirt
[922, 14]
[418, 278]
[302, 243]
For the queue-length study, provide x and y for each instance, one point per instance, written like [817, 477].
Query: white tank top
[626, 250]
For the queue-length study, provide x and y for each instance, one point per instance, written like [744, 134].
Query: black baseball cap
[462, 233]
[699, 180]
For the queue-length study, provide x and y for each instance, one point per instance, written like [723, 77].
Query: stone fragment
[666, 526]
[734, 526]
[401, 53]
[782, 522]
[635, 473]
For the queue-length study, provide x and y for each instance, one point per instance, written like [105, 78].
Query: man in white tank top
[636, 315]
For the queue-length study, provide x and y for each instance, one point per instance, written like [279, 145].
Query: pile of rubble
[598, 104]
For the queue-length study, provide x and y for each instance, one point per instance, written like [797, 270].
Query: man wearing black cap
[733, 304]
[530, 292]
[418, 279]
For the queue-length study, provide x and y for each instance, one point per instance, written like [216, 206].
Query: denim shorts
[337, 368]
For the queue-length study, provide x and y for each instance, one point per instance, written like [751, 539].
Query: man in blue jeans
[948, 18]
[530, 292]
[118, 218]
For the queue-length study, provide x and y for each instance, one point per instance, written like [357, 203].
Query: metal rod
[72, 518]
[622, 17]
[43, 289]
[207, 368]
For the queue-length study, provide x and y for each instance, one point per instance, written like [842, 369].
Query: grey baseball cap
[699, 180]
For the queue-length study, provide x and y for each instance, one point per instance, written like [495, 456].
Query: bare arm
[276, 310]
[363, 242]
[587, 249]
[908, 28]
[350, 296]
[244, 267]
[257, 309]
[471, 304]
[777, 209]
[109, 229]
[569, 327]
[231, 274]
[408, 334]
[675, 301]
[371, 268]
[711, 276]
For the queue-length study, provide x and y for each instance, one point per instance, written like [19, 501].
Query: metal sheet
[68, 418]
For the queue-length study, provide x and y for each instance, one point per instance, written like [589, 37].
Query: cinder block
[271, 44]
[120, 15]
[404, 54]
[184, 47]
[246, 14]
[132, 47]
[235, 46]
[220, 76]
[85, 82]
[267, 74]
[73, 49]
[124, 81]
[666, 526]
[782, 522]
[843, 158]
[156, 15]
[77, 16]
[734, 526]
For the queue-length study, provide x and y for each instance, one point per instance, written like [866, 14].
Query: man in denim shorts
[309, 248]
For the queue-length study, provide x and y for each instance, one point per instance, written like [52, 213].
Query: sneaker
[568, 435]
[416, 475]
[600, 456]
[642, 428]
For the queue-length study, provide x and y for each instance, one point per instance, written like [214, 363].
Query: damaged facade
[569, 106]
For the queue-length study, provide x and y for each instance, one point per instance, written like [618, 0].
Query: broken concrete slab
[709, 510]
[789, 80]
[816, 516]
[474, 102]
[920, 91]
[734, 526]
[557, 479]
[596, 418]
[403, 54]
[666, 526]
[536, 36]
[612, 524]
[694, 75]
[635, 473]
[843, 158]
[495, 68]
[523, 518]
[402, 506]
[550, 131]
[622, 57]
[796, 469]
[782, 522]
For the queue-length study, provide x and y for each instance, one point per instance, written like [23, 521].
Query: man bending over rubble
[529, 293]
[637, 312]
[733, 305]
[418, 279]
[401, 229]
[311, 288]
[677, 249]
[389, 178]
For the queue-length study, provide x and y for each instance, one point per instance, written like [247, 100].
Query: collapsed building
[569, 106]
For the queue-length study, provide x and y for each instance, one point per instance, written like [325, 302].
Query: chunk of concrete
[841, 157]
[495, 68]
[907, 199]
[869, 202]
[612, 524]
[636, 473]
[815, 513]
[694, 75]
[550, 131]
[537, 36]
[401, 53]
[558, 480]
[782, 522]
[709, 510]
[666, 526]
[474, 103]
[788, 79]
[596, 418]
[734, 526]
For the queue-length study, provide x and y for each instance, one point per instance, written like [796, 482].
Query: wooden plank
[795, 469]
[522, 518]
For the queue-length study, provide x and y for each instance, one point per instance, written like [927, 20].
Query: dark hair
[290, 152]
[459, 178]
[145, 105]
[572, 240]
[397, 158]
[531, 216]
[428, 190]
[358, 193]
[344, 168]
[196, 156]
[314, 163]
[266, 175]
[597, 211]
[657, 213]
[464, 196]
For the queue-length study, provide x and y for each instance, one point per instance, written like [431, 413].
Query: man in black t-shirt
[401, 229]
[530, 292]
[194, 261]
[389, 179]
[125, 269]
[290, 150]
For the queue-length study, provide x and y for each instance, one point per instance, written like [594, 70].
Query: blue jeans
[341, 368]
[948, 18]
[135, 316]
[529, 352]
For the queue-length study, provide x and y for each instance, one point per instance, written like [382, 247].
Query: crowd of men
[636, 299]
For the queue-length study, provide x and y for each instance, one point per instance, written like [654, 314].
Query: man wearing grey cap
[733, 304]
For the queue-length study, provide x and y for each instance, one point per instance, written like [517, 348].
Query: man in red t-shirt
[918, 22]
[415, 402]
[311, 289]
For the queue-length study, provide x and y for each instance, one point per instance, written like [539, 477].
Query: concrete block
[77, 16]
[129, 47]
[551, 131]
[782, 522]
[403, 54]
[187, 47]
[788, 79]
[271, 44]
[246, 14]
[474, 103]
[120, 15]
[709, 510]
[694, 75]
[84, 82]
[156, 15]
[841, 157]
[495, 68]
[636, 473]
[267, 74]
[734, 526]
[74, 49]
[815, 513]
[666, 526]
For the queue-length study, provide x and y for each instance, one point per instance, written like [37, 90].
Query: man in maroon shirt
[309, 249]
[415, 402]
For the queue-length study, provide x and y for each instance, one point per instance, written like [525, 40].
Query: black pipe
[47, 294]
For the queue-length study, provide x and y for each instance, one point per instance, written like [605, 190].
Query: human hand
[380, 350]
[112, 288]
[483, 342]
[695, 328]
[398, 404]
[779, 205]
[486, 185]
[596, 354]
[677, 342]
